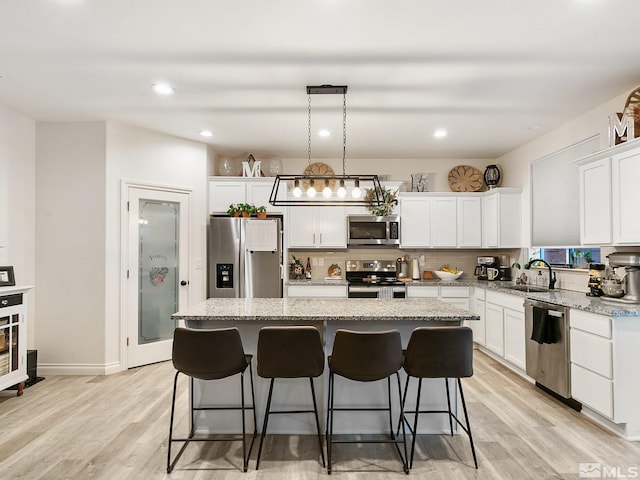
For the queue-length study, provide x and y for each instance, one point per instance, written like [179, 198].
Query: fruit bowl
[448, 275]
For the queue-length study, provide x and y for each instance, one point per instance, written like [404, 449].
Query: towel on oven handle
[543, 330]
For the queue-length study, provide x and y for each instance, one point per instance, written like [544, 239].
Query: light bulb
[297, 191]
[311, 191]
[342, 192]
[356, 192]
[326, 191]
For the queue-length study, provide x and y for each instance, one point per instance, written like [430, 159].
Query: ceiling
[494, 73]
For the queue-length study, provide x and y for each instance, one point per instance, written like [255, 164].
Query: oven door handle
[356, 289]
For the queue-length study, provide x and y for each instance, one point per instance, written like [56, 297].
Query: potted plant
[261, 211]
[388, 198]
[245, 209]
[233, 210]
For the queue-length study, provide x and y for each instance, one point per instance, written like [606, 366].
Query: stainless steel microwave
[372, 230]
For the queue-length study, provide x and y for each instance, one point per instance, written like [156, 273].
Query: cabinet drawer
[594, 391]
[591, 352]
[10, 300]
[454, 292]
[422, 292]
[317, 291]
[479, 293]
[514, 302]
[590, 322]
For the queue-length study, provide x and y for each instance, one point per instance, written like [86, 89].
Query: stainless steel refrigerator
[245, 257]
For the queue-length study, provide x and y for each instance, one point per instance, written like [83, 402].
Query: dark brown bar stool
[439, 352]
[210, 355]
[366, 357]
[290, 352]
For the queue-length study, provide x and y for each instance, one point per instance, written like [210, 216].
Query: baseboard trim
[45, 369]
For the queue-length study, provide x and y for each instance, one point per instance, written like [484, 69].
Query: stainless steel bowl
[612, 288]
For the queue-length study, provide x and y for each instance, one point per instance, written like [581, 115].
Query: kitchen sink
[527, 288]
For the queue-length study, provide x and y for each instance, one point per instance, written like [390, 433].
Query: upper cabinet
[609, 196]
[467, 220]
[317, 227]
[228, 190]
[502, 218]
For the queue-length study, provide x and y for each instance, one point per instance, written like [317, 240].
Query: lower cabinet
[504, 327]
[317, 291]
[477, 306]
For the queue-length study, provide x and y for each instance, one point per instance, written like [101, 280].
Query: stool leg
[405, 459]
[446, 382]
[245, 461]
[404, 400]
[466, 417]
[415, 423]
[330, 424]
[393, 437]
[266, 421]
[173, 408]
[315, 411]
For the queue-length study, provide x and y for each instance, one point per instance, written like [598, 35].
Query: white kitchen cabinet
[469, 221]
[625, 169]
[502, 219]
[494, 328]
[225, 191]
[505, 333]
[414, 222]
[443, 222]
[477, 306]
[595, 202]
[514, 337]
[457, 296]
[317, 291]
[317, 227]
[13, 337]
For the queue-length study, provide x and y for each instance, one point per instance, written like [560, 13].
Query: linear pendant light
[327, 190]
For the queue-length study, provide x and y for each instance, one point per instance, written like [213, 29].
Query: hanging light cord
[309, 131]
[344, 131]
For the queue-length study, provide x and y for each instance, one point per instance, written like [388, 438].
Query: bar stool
[290, 352]
[439, 352]
[366, 357]
[210, 355]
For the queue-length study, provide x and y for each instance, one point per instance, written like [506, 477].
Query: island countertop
[323, 309]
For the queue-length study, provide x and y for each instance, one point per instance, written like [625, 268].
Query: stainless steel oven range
[374, 279]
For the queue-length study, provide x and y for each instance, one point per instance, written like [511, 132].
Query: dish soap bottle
[307, 272]
[540, 279]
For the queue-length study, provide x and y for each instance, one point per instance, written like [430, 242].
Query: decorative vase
[275, 166]
[226, 167]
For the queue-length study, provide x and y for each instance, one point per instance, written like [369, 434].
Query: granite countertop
[319, 309]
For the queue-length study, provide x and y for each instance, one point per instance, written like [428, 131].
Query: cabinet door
[414, 222]
[490, 224]
[478, 326]
[331, 227]
[494, 328]
[300, 227]
[222, 194]
[258, 193]
[626, 197]
[595, 202]
[469, 216]
[443, 223]
[515, 340]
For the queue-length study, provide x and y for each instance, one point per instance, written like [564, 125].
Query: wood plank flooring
[116, 427]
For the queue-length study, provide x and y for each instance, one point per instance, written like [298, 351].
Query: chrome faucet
[552, 275]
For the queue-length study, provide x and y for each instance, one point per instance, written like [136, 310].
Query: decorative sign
[251, 167]
[625, 126]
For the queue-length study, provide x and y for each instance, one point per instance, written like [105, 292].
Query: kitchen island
[328, 315]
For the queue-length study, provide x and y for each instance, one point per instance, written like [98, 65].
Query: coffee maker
[505, 268]
[483, 266]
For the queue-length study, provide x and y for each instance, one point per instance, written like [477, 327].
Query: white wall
[17, 200]
[70, 247]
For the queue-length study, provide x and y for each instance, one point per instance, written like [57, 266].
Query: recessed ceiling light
[534, 127]
[163, 88]
[324, 133]
[440, 133]
[206, 133]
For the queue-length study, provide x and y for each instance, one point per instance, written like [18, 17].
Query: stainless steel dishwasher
[548, 360]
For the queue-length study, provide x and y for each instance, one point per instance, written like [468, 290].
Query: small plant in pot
[246, 209]
[233, 210]
[261, 211]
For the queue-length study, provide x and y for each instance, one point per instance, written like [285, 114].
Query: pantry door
[157, 273]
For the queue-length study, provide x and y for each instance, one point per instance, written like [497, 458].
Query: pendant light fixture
[327, 190]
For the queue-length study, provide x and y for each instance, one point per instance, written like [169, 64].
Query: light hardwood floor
[115, 427]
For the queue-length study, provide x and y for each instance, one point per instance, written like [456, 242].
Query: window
[568, 257]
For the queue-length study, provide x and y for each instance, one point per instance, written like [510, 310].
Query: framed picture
[7, 278]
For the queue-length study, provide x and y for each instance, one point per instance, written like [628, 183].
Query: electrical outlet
[321, 262]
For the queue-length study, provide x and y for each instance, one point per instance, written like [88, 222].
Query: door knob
[184, 283]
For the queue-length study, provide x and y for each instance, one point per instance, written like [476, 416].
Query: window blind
[555, 196]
